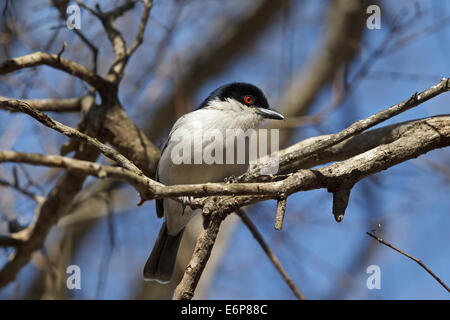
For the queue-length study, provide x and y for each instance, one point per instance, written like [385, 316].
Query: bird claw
[230, 179]
[186, 200]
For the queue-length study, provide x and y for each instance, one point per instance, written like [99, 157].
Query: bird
[233, 106]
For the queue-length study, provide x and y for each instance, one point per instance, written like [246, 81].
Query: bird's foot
[230, 179]
[186, 201]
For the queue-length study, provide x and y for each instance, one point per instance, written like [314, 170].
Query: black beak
[270, 114]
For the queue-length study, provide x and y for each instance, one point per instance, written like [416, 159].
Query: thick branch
[421, 138]
[273, 258]
[42, 58]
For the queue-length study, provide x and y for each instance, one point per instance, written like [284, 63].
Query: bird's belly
[192, 174]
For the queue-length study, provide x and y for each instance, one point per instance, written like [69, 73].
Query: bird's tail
[161, 263]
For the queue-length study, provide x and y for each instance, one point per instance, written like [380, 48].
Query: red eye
[248, 99]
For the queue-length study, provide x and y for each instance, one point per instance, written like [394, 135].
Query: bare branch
[68, 66]
[70, 132]
[59, 200]
[15, 186]
[94, 169]
[273, 258]
[53, 105]
[359, 126]
[58, 57]
[140, 36]
[10, 241]
[346, 22]
[410, 257]
[420, 138]
[57, 203]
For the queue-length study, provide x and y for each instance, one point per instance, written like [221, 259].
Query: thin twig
[273, 258]
[88, 8]
[412, 258]
[62, 9]
[58, 57]
[409, 145]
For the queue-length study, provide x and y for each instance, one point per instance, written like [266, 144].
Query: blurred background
[318, 63]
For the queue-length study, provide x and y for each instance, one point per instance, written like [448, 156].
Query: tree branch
[273, 258]
[359, 126]
[53, 105]
[215, 55]
[70, 132]
[420, 263]
[422, 137]
[140, 36]
[70, 67]
[108, 20]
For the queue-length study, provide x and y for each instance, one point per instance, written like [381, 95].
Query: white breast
[170, 173]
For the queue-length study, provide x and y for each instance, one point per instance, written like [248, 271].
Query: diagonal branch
[61, 6]
[69, 132]
[10, 241]
[418, 140]
[273, 258]
[412, 258]
[36, 198]
[53, 105]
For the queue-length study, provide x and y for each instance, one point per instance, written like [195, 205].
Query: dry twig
[410, 257]
[273, 258]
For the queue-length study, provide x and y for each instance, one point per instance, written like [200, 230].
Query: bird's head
[243, 97]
